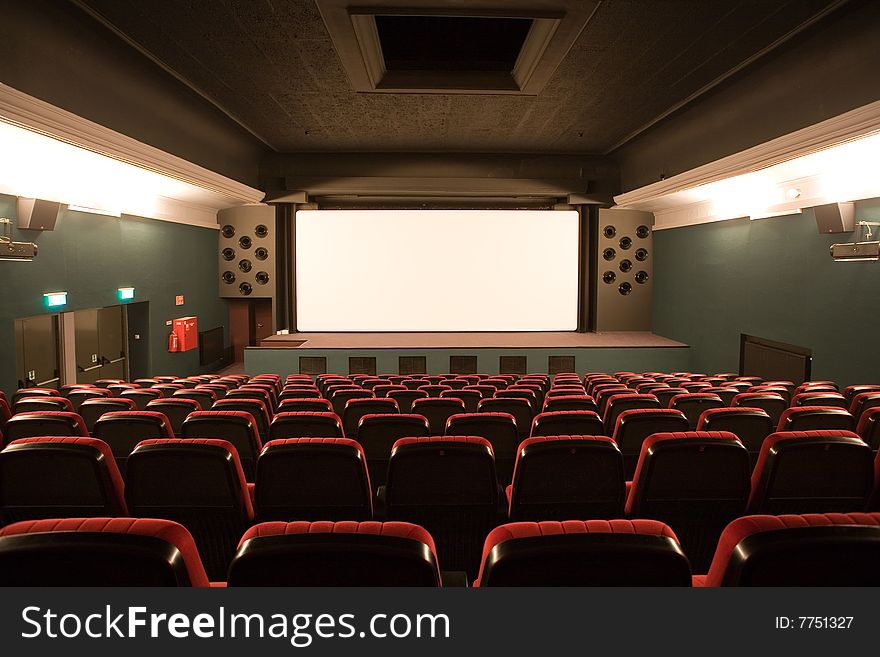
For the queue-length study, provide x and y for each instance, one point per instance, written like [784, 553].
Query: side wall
[90, 256]
[772, 278]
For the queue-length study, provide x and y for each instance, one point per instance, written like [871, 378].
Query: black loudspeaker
[624, 271]
[835, 218]
[247, 252]
[37, 214]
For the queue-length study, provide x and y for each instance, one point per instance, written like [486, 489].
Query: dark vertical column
[285, 291]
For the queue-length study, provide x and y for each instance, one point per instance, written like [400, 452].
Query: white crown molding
[677, 202]
[219, 191]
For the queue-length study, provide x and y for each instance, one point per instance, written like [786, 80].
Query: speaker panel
[247, 252]
[624, 271]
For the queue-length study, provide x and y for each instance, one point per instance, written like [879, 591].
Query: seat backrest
[811, 472]
[311, 479]
[497, 428]
[293, 404]
[869, 428]
[821, 398]
[142, 396]
[438, 410]
[583, 553]
[236, 427]
[574, 423]
[726, 393]
[810, 418]
[414, 383]
[569, 403]
[771, 402]
[256, 407]
[175, 410]
[42, 403]
[693, 405]
[567, 476]
[58, 477]
[355, 409]
[44, 423]
[92, 409]
[521, 410]
[32, 392]
[665, 395]
[484, 390]
[99, 552]
[205, 398]
[306, 425]
[832, 549]
[405, 398]
[441, 471]
[335, 554]
[471, 398]
[123, 430]
[340, 398]
[750, 425]
[617, 404]
[851, 391]
[862, 402]
[634, 426]
[198, 483]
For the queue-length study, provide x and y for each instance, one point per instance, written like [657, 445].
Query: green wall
[90, 256]
[772, 278]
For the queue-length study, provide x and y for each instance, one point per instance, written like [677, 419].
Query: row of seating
[788, 550]
[697, 482]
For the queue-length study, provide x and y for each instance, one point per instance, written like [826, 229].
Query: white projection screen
[436, 270]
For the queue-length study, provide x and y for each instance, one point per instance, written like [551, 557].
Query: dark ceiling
[271, 65]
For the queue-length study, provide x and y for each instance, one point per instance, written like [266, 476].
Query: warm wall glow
[436, 270]
[36, 166]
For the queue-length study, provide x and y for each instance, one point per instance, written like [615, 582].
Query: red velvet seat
[471, 399]
[770, 402]
[693, 404]
[833, 549]
[123, 430]
[198, 483]
[567, 476]
[448, 486]
[256, 407]
[617, 404]
[205, 398]
[869, 428]
[235, 427]
[142, 396]
[633, 427]
[355, 409]
[863, 402]
[44, 423]
[129, 552]
[571, 423]
[498, 428]
[517, 407]
[406, 398]
[750, 425]
[812, 418]
[175, 409]
[306, 425]
[377, 434]
[694, 481]
[305, 404]
[42, 403]
[311, 479]
[31, 392]
[819, 398]
[59, 477]
[92, 409]
[583, 553]
[569, 403]
[811, 472]
[335, 554]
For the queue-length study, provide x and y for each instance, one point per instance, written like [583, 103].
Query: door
[111, 342]
[262, 320]
[36, 350]
[88, 363]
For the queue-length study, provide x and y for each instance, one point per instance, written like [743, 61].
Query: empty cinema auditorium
[441, 294]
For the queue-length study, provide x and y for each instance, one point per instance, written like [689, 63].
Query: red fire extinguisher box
[187, 331]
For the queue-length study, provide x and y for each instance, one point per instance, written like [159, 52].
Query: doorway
[100, 344]
[250, 322]
[36, 351]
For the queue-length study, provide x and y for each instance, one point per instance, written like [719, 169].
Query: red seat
[770, 402]
[471, 399]
[819, 398]
[498, 428]
[235, 427]
[355, 409]
[636, 425]
[256, 407]
[694, 404]
[750, 425]
[306, 425]
[448, 486]
[869, 428]
[377, 434]
[142, 397]
[862, 402]
[311, 479]
[123, 430]
[58, 477]
[834, 549]
[304, 404]
[520, 409]
[406, 398]
[696, 482]
[335, 554]
[45, 423]
[129, 552]
[617, 404]
[571, 423]
[92, 409]
[198, 483]
[561, 477]
[42, 403]
[812, 418]
[569, 403]
[811, 472]
[32, 392]
[583, 553]
[438, 410]
[175, 409]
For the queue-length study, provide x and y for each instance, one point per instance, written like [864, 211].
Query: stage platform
[437, 353]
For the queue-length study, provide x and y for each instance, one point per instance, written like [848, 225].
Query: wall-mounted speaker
[835, 218]
[624, 271]
[247, 252]
[37, 214]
